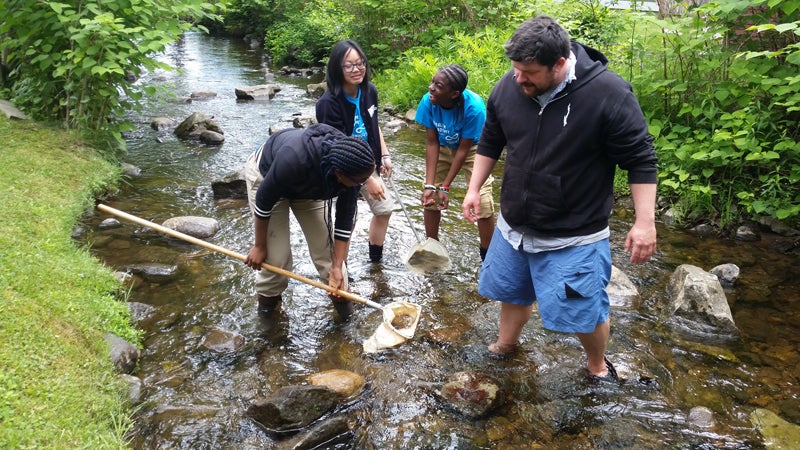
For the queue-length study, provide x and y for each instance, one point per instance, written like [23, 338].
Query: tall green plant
[71, 61]
[725, 121]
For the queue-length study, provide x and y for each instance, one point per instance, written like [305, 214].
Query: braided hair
[457, 79]
[351, 155]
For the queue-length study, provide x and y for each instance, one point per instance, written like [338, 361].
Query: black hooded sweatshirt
[561, 157]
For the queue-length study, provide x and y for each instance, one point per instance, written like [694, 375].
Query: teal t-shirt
[359, 128]
[451, 124]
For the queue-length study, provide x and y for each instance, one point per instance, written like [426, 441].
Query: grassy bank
[58, 388]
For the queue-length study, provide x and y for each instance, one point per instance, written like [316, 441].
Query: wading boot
[266, 305]
[344, 308]
[375, 253]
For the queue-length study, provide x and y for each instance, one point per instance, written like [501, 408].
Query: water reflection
[196, 397]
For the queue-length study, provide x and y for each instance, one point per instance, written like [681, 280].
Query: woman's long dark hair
[334, 73]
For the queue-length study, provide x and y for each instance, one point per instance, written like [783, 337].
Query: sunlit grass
[58, 388]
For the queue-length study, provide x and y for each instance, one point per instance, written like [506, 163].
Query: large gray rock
[257, 92]
[697, 295]
[193, 126]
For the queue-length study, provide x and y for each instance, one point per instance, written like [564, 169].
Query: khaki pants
[310, 214]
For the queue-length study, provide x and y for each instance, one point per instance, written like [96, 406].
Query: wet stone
[199, 227]
[470, 393]
[223, 341]
[344, 382]
[293, 407]
[153, 273]
[701, 417]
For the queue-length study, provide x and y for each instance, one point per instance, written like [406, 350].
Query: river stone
[621, 291]
[697, 295]
[701, 417]
[130, 170]
[471, 393]
[194, 125]
[211, 137]
[232, 185]
[727, 273]
[344, 382]
[140, 311]
[135, 388]
[257, 92]
[199, 227]
[777, 432]
[303, 121]
[111, 222]
[223, 341]
[323, 433]
[161, 123]
[316, 89]
[153, 273]
[123, 354]
[292, 407]
[203, 94]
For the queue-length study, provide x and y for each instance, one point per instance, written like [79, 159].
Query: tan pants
[443, 164]
[310, 214]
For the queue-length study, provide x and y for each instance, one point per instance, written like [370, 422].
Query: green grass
[58, 388]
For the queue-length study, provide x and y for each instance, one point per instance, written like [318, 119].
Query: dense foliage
[720, 87]
[72, 61]
[718, 83]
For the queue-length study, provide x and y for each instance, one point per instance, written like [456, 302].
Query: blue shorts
[570, 284]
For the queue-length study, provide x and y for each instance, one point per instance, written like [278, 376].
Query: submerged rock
[470, 393]
[777, 432]
[292, 407]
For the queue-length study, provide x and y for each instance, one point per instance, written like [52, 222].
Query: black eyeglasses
[353, 67]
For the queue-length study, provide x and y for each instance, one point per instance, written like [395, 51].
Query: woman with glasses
[350, 105]
[453, 117]
[296, 169]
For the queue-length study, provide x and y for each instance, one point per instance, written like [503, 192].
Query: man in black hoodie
[566, 122]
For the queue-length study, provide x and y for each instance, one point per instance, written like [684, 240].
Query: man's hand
[641, 242]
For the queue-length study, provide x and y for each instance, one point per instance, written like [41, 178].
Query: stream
[196, 398]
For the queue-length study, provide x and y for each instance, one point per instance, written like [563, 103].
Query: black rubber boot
[375, 253]
[344, 308]
[266, 305]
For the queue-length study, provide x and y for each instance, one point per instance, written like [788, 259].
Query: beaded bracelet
[445, 189]
[429, 187]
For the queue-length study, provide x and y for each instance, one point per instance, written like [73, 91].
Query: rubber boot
[266, 305]
[375, 253]
[344, 308]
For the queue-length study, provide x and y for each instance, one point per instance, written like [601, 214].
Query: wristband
[445, 189]
[386, 156]
[429, 187]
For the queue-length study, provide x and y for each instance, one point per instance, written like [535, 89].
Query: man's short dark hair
[541, 40]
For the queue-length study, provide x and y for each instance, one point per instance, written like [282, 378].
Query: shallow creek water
[196, 398]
